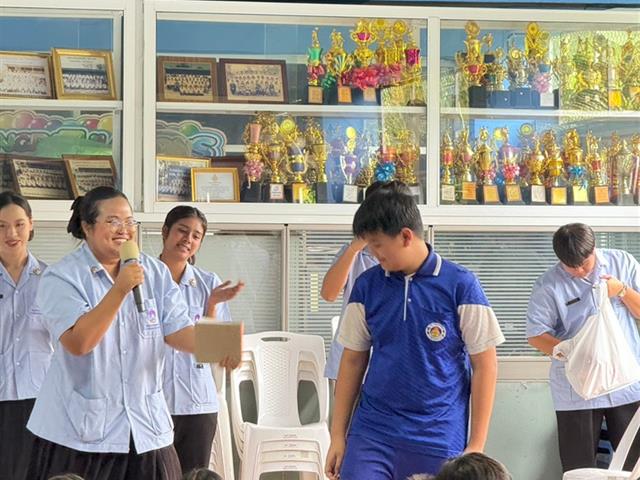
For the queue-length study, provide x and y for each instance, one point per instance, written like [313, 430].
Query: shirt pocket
[88, 416]
[38, 366]
[149, 320]
[201, 383]
[158, 413]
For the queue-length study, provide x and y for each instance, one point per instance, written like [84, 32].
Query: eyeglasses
[116, 224]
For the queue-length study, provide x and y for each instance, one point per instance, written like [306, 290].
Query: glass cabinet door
[287, 109]
[539, 113]
[60, 108]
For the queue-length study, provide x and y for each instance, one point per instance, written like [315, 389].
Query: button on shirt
[560, 305]
[422, 329]
[189, 386]
[95, 402]
[362, 262]
[25, 345]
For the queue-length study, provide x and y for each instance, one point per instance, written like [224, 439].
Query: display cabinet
[66, 98]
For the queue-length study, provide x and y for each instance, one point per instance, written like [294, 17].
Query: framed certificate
[174, 177]
[40, 178]
[88, 172]
[215, 185]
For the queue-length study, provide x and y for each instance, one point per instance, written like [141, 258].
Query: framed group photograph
[25, 75]
[6, 177]
[186, 79]
[83, 74]
[88, 172]
[253, 81]
[215, 185]
[40, 178]
[174, 177]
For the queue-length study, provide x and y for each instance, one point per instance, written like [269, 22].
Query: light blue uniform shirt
[25, 345]
[553, 309]
[96, 402]
[363, 262]
[189, 386]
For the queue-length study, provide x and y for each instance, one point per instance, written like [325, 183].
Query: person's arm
[630, 299]
[336, 277]
[220, 294]
[544, 343]
[89, 329]
[183, 340]
[483, 390]
[352, 368]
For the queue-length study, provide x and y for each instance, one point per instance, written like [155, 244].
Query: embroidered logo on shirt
[436, 332]
[196, 318]
[192, 282]
[152, 318]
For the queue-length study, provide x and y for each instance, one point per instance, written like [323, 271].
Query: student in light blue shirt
[25, 345]
[350, 262]
[101, 412]
[189, 386]
[561, 301]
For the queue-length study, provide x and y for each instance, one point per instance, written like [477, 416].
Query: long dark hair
[85, 208]
[9, 198]
[178, 213]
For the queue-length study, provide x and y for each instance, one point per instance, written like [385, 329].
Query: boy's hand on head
[473, 448]
[334, 458]
[357, 244]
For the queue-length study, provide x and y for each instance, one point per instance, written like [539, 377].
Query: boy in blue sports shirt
[429, 324]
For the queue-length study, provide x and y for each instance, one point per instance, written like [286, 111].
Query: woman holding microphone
[101, 413]
[189, 386]
[25, 345]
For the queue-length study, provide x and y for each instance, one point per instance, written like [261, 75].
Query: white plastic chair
[614, 472]
[221, 460]
[276, 362]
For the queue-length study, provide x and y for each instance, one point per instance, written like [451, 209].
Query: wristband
[623, 291]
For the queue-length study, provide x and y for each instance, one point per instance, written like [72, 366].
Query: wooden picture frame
[215, 185]
[83, 74]
[39, 177]
[6, 174]
[87, 172]
[174, 177]
[186, 79]
[230, 161]
[252, 81]
[25, 75]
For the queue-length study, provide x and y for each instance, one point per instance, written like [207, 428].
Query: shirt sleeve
[542, 313]
[60, 302]
[478, 323]
[354, 333]
[175, 311]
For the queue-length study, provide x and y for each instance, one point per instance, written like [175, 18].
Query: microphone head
[129, 251]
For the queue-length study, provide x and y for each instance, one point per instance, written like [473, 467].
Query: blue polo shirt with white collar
[422, 329]
[560, 305]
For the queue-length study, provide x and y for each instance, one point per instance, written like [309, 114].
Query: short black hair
[473, 466]
[10, 198]
[388, 211]
[389, 185]
[573, 243]
[85, 208]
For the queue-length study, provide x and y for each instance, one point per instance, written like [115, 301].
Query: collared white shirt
[189, 386]
[25, 345]
[560, 305]
[96, 402]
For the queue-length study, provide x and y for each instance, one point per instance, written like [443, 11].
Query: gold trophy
[578, 181]
[508, 157]
[447, 180]
[408, 155]
[598, 187]
[464, 162]
[629, 69]
[536, 164]
[351, 193]
[521, 91]
[338, 63]
[497, 96]
[536, 50]
[565, 74]
[487, 189]
[590, 91]
[319, 151]
[471, 64]
[314, 69]
[363, 36]
[253, 167]
[556, 182]
[621, 169]
[614, 84]
[296, 162]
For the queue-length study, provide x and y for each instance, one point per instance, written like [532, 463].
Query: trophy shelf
[523, 113]
[353, 111]
[59, 105]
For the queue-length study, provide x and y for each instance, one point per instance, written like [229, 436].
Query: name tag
[571, 302]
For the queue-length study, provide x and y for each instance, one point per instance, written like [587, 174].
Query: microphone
[129, 252]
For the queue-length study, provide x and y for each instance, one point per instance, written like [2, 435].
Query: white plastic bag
[599, 358]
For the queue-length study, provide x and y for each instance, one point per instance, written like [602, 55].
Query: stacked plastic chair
[276, 362]
[221, 460]
[614, 472]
